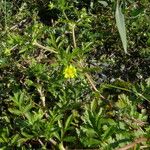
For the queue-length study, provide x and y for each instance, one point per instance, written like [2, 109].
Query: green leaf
[15, 111]
[120, 21]
[15, 138]
[148, 82]
[94, 104]
[68, 122]
[69, 139]
[90, 142]
[27, 135]
[27, 108]
[90, 132]
[3, 62]
[108, 132]
[21, 141]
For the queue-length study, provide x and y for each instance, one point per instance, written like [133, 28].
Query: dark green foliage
[106, 106]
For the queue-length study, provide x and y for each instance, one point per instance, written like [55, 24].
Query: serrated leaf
[120, 21]
[15, 111]
[68, 122]
[56, 135]
[15, 138]
[90, 132]
[27, 108]
[21, 141]
[108, 132]
[90, 142]
[94, 104]
[27, 135]
[69, 139]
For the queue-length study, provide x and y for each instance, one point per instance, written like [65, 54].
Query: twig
[143, 147]
[74, 37]
[40, 142]
[89, 78]
[53, 142]
[43, 47]
[91, 82]
[19, 24]
[140, 140]
[13, 47]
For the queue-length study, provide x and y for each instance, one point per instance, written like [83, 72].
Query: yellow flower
[70, 72]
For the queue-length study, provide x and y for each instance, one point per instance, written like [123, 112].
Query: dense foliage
[67, 80]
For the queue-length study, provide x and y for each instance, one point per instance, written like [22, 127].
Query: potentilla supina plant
[70, 72]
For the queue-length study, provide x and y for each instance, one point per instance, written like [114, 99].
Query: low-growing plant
[66, 82]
